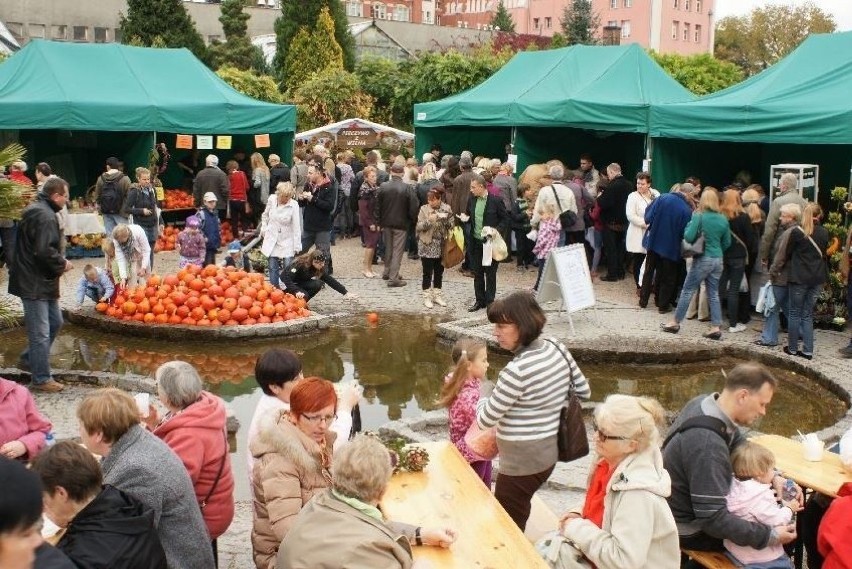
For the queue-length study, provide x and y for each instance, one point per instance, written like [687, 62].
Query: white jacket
[141, 252]
[281, 228]
[638, 527]
[635, 209]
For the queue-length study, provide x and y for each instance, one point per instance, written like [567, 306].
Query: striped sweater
[530, 392]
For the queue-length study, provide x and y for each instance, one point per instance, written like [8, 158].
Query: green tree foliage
[379, 77]
[312, 52]
[329, 96]
[237, 51]
[296, 14]
[557, 41]
[580, 23]
[3, 57]
[168, 20]
[502, 19]
[768, 33]
[252, 84]
[701, 73]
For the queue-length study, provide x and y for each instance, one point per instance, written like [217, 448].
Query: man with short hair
[34, 277]
[111, 193]
[697, 456]
[483, 210]
[318, 200]
[590, 175]
[459, 198]
[786, 194]
[613, 207]
[212, 179]
[396, 210]
[278, 172]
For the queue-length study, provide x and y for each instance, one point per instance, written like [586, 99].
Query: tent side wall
[484, 141]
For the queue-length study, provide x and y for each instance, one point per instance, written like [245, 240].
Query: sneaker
[737, 328]
[49, 386]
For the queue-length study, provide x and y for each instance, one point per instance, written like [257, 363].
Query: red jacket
[835, 531]
[197, 435]
[20, 420]
[20, 177]
[239, 186]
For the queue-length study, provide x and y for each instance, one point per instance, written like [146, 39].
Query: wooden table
[825, 476]
[450, 494]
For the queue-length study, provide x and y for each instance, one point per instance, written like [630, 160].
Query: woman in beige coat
[292, 463]
[433, 222]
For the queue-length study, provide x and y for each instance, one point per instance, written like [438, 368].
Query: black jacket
[495, 213]
[278, 173]
[807, 265]
[396, 205]
[743, 229]
[114, 530]
[137, 200]
[48, 557]
[294, 277]
[613, 201]
[318, 209]
[37, 263]
[212, 179]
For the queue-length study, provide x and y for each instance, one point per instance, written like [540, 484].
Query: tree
[701, 73]
[768, 33]
[251, 84]
[378, 77]
[296, 14]
[502, 19]
[168, 20]
[329, 96]
[580, 23]
[312, 52]
[237, 51]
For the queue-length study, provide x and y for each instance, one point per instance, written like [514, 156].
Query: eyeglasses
[317, 419]
[604, 438]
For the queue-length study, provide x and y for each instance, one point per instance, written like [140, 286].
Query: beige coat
[330, 534]
[287, 473]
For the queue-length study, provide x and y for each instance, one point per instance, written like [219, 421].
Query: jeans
[42, 319]
[484, 278]
[704, 269]
[595, 237]
[772, 324]
[111, 220]
[782, 562]
[801, 317]
[731, 279]
[276, 265]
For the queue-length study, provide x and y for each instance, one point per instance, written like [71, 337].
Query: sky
[840, 9]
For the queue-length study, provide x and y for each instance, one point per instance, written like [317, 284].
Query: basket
[78, 252]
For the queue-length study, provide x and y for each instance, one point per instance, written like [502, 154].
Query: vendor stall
[357, 133]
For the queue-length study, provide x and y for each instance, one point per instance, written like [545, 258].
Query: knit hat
[193, 221]
[210, 197]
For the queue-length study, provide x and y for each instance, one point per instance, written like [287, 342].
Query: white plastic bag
[487, 253]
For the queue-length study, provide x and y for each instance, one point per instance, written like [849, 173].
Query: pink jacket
[755, 502]
[20, 420]
[462, 414]
[549, 231]
[197, 436]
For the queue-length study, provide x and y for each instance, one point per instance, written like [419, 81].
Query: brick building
[413, 11]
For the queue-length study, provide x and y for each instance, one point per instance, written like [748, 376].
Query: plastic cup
[813, 449]
[143, 400]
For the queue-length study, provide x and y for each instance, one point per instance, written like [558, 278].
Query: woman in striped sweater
[526, 401]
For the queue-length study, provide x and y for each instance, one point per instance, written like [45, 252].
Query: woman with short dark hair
[526, 401]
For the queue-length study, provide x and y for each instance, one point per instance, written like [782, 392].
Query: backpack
[701, 422]
[109, 199]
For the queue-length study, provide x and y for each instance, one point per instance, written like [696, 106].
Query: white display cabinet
[806, 174]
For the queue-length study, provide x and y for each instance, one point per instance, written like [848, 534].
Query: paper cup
[143, 400]
[813, 450]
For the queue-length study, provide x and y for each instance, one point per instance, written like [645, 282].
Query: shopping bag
[452, 254]
[482, 442]
[499, 250]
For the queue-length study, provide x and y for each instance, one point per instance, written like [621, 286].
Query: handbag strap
[571, 387]
[737, 237]
[203, 503]
[812, 241]
[556, 195]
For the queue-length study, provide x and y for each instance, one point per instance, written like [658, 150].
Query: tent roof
[604, 88]
[355, 123]
[802, 99]
[114, 87]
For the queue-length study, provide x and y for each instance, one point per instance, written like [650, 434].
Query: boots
[427, 298]
[438, 297]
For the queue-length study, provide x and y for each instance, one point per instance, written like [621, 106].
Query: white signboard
[566, 276]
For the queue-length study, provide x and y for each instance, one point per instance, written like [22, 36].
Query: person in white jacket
[625, 521]
[637, 203]
[132, 254]
[281, 228]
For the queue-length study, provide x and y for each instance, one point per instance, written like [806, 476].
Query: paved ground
[617, 324]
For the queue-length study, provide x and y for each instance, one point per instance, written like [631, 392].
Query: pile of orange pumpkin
[177, 199]
[166, 241]
[209, 296]
[212, 368]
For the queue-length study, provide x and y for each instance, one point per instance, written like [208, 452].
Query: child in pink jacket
[23, 429]
[751, 498]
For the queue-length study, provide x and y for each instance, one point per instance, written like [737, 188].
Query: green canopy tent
[558, 102]
[797, 111]
[80, 103]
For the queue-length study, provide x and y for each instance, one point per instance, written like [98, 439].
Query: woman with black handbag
[527, 401]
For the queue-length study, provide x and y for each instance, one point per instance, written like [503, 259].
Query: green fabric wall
[537, 145]
[485, 141]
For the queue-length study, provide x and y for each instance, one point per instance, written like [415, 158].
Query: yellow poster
[223, 142]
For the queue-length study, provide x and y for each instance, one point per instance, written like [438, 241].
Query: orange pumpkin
[101, 307]
[129, 308]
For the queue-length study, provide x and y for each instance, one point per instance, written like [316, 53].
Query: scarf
[367, 191]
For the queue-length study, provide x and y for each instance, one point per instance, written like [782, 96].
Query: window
[81, 33]
[377, 11]
[686, 5]
[628, 3]
[613, 4]
[427, 17]
[101, 35]
[214, 38]
[676, 4]
[675, 30]
[685, 32]
[16, 28]
[117, 35]
[535, 23]
[625, 28]
[36, 30]
[612, 24]
[697, 33]
[698, 6]
[548, 22]
[59, 32]
[354, 9]
[402, 14]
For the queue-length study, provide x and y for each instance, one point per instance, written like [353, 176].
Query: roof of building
[416, 38]
[8, 43]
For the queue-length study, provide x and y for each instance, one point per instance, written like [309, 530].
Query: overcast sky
[840, 9]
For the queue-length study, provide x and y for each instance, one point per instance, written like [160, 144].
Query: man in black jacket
[104, 526]
[395, 211]
[318, 201]
[613, 205]
[34, 277]
[483, 210]
[212, 179]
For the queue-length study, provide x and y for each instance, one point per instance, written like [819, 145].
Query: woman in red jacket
[194, 428]
[834, 531]
[238, 196]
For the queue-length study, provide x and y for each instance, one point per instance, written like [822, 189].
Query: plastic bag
[499, 250]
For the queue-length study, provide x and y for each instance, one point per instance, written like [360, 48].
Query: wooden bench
[541, 520]
[710, 559]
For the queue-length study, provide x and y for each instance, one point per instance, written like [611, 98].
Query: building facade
[412, 11]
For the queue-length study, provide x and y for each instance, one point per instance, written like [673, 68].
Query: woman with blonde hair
[132, 254]
[625, 520]
[708, 222]
[281, 228]
[258, 194]
[736, 258]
